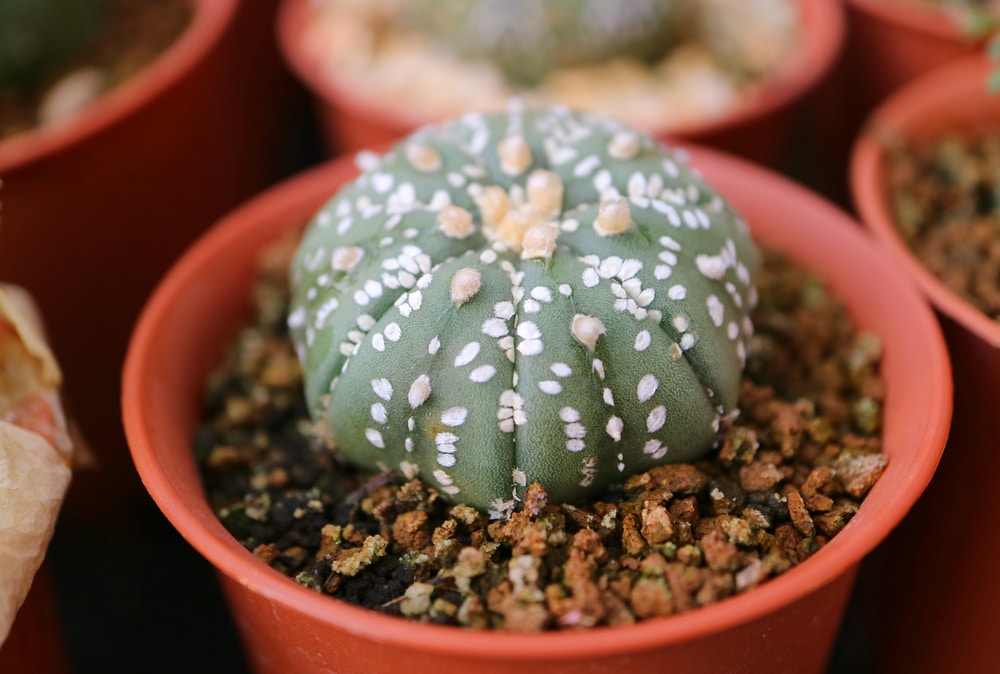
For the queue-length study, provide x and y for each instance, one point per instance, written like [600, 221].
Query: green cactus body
[541, 296]
[528, 38]
[37, 35]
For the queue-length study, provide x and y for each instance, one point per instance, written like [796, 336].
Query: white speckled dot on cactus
[542, 296]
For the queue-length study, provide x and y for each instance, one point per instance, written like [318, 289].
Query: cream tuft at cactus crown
[537, 296]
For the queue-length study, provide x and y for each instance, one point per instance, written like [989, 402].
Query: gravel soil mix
[945, 198]
[785, 477]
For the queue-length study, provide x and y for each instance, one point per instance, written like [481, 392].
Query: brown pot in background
[757, 130]
[95, 209]
[892, 41]
[889, 42]
[947, 547]
[786, 625]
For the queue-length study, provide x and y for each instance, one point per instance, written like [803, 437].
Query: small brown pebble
[787, 428]
[523, 617]
[684, 582]
[616, 611]
[533, 541]
[819, 481]
[788, 539]
[831, 523]
[859, 473]
[535, 499]
[735, 529]
[818, 503]
[632, 539]
[679, 478]
[267, 552]
[760, 476]
[715, 588]
[739, 445]
[798, 512]
[656, 525]
[411, 530]
[690, 555]
[650, 597]
[654, 564]
[720, 554]
[756, 519]
[685, 510]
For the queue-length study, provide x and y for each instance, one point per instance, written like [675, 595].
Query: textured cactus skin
[36, 35]
[528, 38]
[518, 390]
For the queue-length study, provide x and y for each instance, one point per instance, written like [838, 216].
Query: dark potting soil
[945, 197]
[785, 477]
[132, 34]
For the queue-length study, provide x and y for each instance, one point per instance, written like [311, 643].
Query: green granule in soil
[945, 197]
[785, 477]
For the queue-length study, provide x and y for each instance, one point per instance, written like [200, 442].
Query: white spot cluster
[511, 412]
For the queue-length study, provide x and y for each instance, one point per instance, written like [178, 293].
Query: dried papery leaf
[35, 449]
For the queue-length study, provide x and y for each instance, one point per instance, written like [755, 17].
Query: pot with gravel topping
[893, 41]
[722, 72]
[104, 193]
[923, 176]
[742, 542]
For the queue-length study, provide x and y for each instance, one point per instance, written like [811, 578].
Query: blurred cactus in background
[37, 36]
[528, 38]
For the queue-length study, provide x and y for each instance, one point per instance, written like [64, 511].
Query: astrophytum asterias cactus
[541, 296]
[528, 38]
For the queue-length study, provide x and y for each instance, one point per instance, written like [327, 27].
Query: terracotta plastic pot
[96, 208]
[757, 130]
[892, 41]
[35, 642]
[947, 545]
[889, 42]
[786, 625]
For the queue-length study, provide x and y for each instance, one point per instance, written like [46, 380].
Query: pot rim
[204, 532]
[820, 47]
[918, 17]
[208, 24]
[916, 108]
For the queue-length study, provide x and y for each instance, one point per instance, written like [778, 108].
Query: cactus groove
[538, 296]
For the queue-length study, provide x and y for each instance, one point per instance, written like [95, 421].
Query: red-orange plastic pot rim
[208, 24]
[916, 433]
[953, 96]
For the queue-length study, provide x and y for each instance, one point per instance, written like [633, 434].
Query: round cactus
[541, 296]
[528, 38]
[37, 35]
